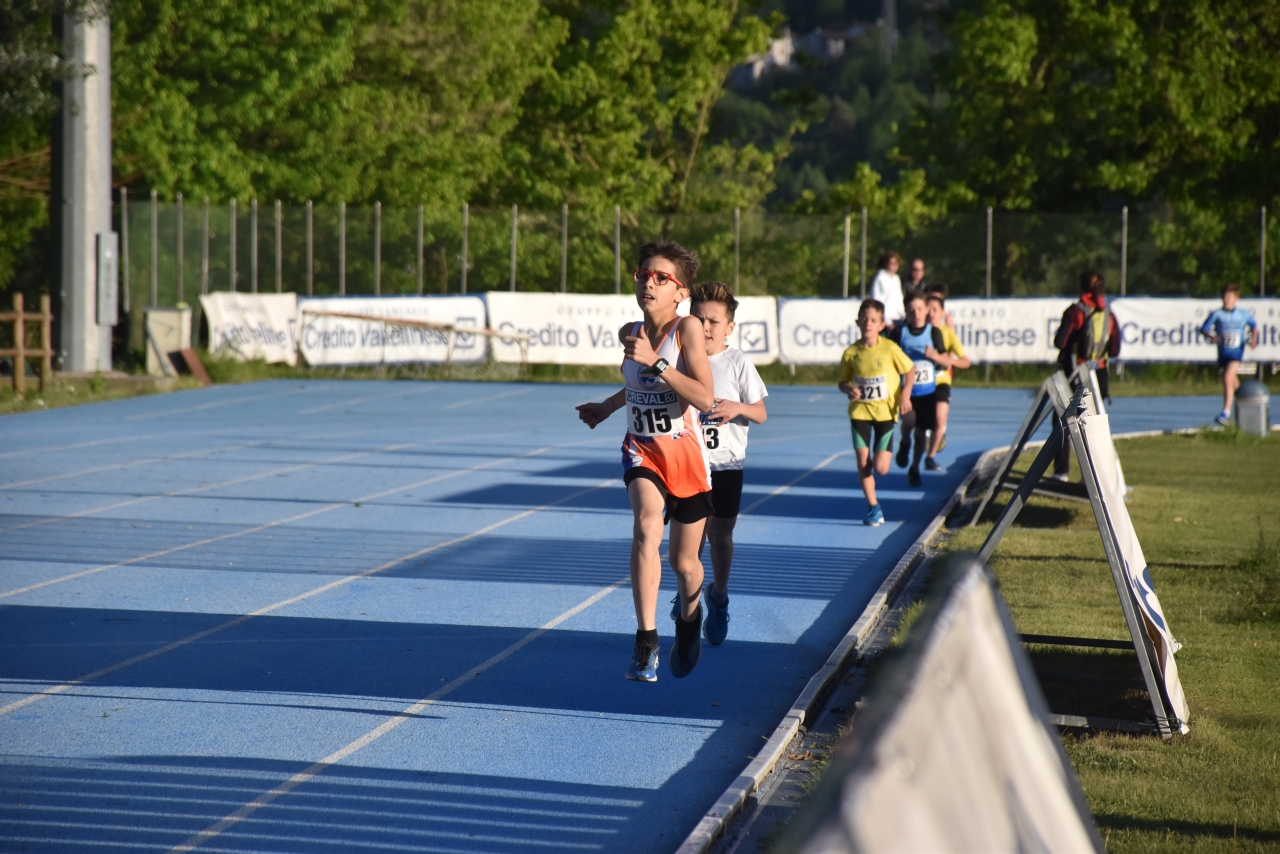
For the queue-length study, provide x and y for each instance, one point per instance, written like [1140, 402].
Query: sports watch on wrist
[660, 365]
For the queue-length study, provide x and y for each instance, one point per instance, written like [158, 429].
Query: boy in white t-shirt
[739, 402]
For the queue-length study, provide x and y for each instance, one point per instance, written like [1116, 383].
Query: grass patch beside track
[1207, 511]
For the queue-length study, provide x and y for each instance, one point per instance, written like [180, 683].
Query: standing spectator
[916, 281]
[886, 288]
[1088, 333]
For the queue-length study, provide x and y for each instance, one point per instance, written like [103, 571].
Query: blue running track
[377, 617]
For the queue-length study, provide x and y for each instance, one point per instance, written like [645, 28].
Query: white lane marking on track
[354, 401]
[387, 726]
[490, 397]
[192, 490]
[129, 463]
[817, 397]
[316, 512]
[95, 442]
[324, 588]
[216, 403]
[781, 489]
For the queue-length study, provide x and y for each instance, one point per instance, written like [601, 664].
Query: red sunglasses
[642, 276]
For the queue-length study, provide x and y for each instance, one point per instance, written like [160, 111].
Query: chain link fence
[175, 250]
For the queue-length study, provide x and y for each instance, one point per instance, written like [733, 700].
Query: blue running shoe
[930, 464]
[874, 517]
[644, 663]
[1224, 418]
[687, 649]
[716, 626]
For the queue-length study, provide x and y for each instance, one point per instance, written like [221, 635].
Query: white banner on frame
[582, 329]
[326, 340]
[252, 326]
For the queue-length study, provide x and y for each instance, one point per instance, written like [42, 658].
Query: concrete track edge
[804, 709]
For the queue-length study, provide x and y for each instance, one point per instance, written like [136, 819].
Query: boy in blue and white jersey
[1230, 328]
[739, 403]
[925, 346]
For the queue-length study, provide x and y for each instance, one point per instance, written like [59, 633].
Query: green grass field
[1207, 511]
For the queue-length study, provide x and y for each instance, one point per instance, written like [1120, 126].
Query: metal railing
[175, 250]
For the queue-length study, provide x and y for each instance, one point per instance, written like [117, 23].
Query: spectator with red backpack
[1089, 334]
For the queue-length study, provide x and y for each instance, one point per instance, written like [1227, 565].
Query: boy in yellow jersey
[877, 377]
[953, 352]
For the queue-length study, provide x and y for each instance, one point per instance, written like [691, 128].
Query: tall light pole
[88, 286]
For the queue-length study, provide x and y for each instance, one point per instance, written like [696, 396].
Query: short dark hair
[871, 303]
[716, 292]
[885, 258]
[1091, 282]
[686, 260]
[916, 294]
[937, 289]
[1231, 287]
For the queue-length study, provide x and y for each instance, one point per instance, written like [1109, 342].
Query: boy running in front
[869, 375]
[1230, 327]
[925, 347]
[740, 395]
[668, 381]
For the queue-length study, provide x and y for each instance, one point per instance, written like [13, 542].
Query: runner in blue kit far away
[740, 395]
[1230, 327]
[664, 459]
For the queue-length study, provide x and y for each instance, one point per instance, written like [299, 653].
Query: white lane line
[817, 397]
[128, 463]
[354, 401]
[284, 603]
[490, 397]
[192, 490]
[781, 489]
[216, 403]
[387, 726]
[78, 445]
[246, 531]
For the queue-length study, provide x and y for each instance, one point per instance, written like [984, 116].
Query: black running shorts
[943, 391]
[686, 511]
[926, 409]
[726, 492]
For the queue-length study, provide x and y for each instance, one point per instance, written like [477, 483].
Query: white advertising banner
[816, 331]
[252, 326]
[325, 340]
[582, 329]
[1152, 329]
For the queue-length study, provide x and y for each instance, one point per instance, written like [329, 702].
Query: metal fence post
[253, 246]
[564, 247]
[466, 219]
[844, 279]
[862, 289]
[342, 249]
[279, 261]
[310, 251]
[1262, 254]
[617, 249]
[377, 249]
[155, 250]
[419, 250]
[124, 238]
[180, 254]
[737, 245]
[987, 289]
[515, 215]
[1124, 250]
[204, 249]
[232, 272]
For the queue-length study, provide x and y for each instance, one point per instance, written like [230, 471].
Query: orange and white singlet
[661, 435]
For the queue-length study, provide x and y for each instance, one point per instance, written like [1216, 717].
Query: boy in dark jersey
[668, 382]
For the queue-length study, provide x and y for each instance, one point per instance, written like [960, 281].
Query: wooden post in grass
[19, 351]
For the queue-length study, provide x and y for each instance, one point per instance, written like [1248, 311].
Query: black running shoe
[687, 649]
[913, 476]
[644, 663]
[904, 452]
